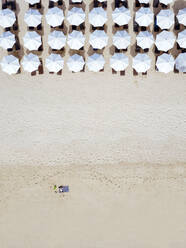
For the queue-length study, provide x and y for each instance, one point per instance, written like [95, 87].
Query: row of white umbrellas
[55, 1]
[166, 2]
[97, 17]
[119, 62]
[98, 40]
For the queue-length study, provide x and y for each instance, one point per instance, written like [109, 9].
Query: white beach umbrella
[121, 16]
[182, 16]
[166, 2]
[32, 18]
[145, 39]
[75, 63]
[97, 17]
[165, 41]
[181, 40]
[54, 16]
[119, 62]
[32, 1]
[76, 1]
[30, 62]
[54, 62]
[7, 18]
[141, 62]
[10, 64]
[95, 62]
[56, 40]
[165, 63]
[98, 39]
[32, 40]
[144, 17]
[181, 62]
[165, 18]
[121, 39]
[144, 1]
[7, 40]
[76, 40]
[76, 16]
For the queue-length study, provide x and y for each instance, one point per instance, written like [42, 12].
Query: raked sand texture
[92, 119]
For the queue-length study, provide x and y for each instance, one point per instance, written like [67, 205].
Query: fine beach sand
[118, 142]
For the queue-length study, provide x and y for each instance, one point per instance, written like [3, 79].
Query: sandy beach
[118, 142]
[108, 205]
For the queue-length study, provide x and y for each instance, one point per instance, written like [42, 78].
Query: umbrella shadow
[18, 53]
[175, 51]
[41, 10]
[36, 52]
[62, 51]
[179, 4]
[79, 52]
[80, 28]
[156, 7]
[63, 6]
[112, 50]
[135, 7]
[133, 50]
[113, 5]
[78, 5]
[104, 28]
[91, 6]
[91, 51]
[81, 5]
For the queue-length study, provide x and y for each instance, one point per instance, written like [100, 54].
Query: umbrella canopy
[10, 64]
[165, 19]
[166, 2]
[7, 18]
[98, 39]
[181, 16]
[30, 62]
[121, 16]
[75, 63]
[119, 62]
[76, 40]
[181, 40]
[121, 39]
[165, 63]
[7, 40]
[76, 1]
[32, 40]
[97, 17]
[181, 62]
[54, 62]
[165, 41]
[54, 17]
[95, 62]
[144, 17]
[141, 62]
[76, 16]
[56, 40]
[32, 1]
[145, 39]
[144, 1]
[32, 18]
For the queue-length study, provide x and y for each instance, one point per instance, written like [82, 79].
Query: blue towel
[63, 189]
